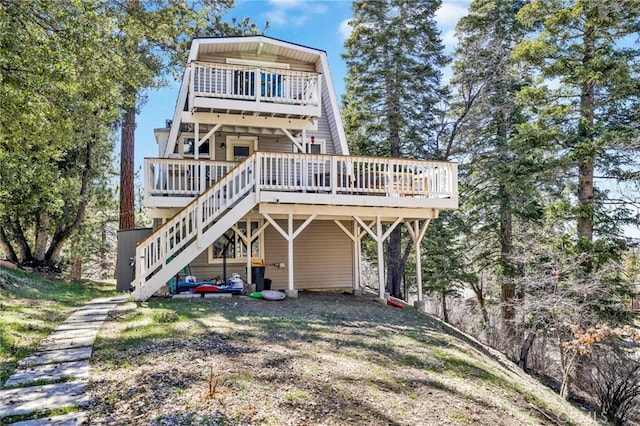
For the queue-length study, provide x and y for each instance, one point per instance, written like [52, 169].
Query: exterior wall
[323, 258]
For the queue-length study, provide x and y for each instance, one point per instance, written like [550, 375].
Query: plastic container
[257, 277]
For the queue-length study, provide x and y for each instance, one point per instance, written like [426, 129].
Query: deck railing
[254, 84]
[191, 221]
[177, 177]
[295, 172]
[355, 175]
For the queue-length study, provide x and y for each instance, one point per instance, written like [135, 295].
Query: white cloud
[293, 12]
[450, 12]
[345, 29]
[449, 40]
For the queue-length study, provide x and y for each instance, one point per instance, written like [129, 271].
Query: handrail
[243, 82]
[182, 177]
[191, 221]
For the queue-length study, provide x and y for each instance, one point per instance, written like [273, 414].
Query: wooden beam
[245, 120]
[332, 212]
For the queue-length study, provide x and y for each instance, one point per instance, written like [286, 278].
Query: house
[255, 168]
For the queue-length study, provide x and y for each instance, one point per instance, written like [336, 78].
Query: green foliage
[584, 101]
[66, 71]
[393, 56]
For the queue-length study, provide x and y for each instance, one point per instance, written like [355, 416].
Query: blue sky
[321, 24]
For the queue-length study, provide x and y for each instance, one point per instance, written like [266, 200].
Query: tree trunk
[586, 156]
[25, 256]
[127, 144]
[395, 270]
[76, 269]
[526, 346]
[445, 313]
[62, 234]
[42, 236]
[478, 290]
[6, 247]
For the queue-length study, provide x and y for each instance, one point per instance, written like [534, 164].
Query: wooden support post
[379, 237]
[290, 235]
[381, 280]
[417, 234]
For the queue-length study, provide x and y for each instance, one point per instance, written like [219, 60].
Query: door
[238, 149]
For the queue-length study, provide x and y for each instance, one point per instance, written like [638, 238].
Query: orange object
[394, 303]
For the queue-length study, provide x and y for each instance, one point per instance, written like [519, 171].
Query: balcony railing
[183, 178]
[308, 173]
[223, 81]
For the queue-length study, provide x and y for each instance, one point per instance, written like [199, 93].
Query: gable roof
[268, 47]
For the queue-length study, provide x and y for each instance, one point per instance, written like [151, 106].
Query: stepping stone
[116, 299]
[101, 306]
[71, 334]
[19, 401]
[63, 355]
[93, 325]
[85, 318]
[187, 296]
[217, 295]
[56, 344]
[71, 419]
[86, 312]
[49, 372]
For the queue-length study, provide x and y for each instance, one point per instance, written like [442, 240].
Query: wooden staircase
[194, 228]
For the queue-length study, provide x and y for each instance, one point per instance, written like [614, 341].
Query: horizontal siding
[323, 259]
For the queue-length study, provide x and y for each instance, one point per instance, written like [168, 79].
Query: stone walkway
[55, 376]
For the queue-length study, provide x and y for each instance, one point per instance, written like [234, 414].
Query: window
[314, 146]
[186, 147]
[233, 245]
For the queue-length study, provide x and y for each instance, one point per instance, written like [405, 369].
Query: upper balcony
[228, 88]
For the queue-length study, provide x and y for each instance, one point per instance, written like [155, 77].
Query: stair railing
[188, 225]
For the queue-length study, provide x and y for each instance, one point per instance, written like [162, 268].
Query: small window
[233, 247]
[204, 148]
[240, 152]
[314, 146]
[188, 145]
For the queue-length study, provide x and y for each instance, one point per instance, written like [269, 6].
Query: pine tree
[394, 56]
[498, 171]
[586, 102]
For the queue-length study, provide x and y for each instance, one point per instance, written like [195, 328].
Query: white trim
[333, 101]
[259, 235]
[177, 114]
[321, 142]
[264, 64]
[232, 140]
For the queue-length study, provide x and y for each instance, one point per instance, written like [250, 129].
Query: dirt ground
[321, 359]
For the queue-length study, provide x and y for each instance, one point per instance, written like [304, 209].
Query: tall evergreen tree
[497, 171]
[586, 102]
[394, 56]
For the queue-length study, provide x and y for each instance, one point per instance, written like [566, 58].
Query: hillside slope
[319, 359]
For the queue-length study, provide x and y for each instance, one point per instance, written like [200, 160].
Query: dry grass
[319, 359]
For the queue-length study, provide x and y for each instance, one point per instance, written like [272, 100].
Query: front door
[239, 148]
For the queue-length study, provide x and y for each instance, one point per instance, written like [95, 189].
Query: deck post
[290, 250]
[380, 240]
[356, 257]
